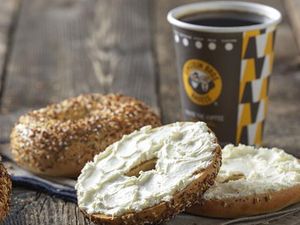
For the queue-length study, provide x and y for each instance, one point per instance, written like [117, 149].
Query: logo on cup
[202, 82]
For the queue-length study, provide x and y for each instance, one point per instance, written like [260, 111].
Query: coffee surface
[224, 18]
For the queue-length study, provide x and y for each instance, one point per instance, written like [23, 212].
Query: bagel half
[251, 182]
[5, 192]
[58, 140]
[142, 211]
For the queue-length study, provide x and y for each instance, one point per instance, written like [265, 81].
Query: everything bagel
[59, 139]
[150, 175]
[5, 191]
[251, 181]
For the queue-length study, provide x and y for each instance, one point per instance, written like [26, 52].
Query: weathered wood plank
[62, 49]
[8, 19]
[282, 127]
[8, 15]
[169, 91]
[291, 219]
[65, 48]
[283, 123]
[293, 8]
[30, 207]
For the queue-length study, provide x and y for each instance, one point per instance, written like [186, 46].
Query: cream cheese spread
[181, 149]
[248, 171]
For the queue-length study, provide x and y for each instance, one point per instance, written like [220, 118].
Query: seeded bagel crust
[247, 206]
[165, 210]
[59, 139]
[5, 192]
[252, 181]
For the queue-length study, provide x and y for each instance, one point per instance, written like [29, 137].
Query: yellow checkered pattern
[256, 66]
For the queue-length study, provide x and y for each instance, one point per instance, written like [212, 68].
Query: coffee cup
[225, 53]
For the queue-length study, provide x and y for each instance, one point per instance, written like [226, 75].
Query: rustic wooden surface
[50, 50]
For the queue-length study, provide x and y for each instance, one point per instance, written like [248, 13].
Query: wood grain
[168, 89]
[30, 207]
[293, 7]
[8, 18]
[291, 219]
[65, 48]
[62, 48]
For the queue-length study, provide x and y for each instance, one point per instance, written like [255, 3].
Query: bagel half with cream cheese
[150, 175]
[5, 191]
[251, 181]
[58, 140]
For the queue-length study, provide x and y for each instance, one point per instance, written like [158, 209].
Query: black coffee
[224, 18]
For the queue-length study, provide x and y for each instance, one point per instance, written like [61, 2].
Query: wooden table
[51, 50]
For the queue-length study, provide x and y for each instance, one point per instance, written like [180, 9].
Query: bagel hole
[73, 114]
[73, 111]
[234, 177]
[144, 166]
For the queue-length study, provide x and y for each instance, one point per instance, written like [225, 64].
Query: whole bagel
[59, 139]
[5, 191]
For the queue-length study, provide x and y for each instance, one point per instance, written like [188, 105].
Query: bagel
[59, 139]
[117, 187]
[251, 181]
[5, 192]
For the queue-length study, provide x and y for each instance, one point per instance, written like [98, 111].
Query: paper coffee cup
[224, 69]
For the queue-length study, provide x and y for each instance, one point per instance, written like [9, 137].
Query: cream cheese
[248, 171]
[181, 149]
